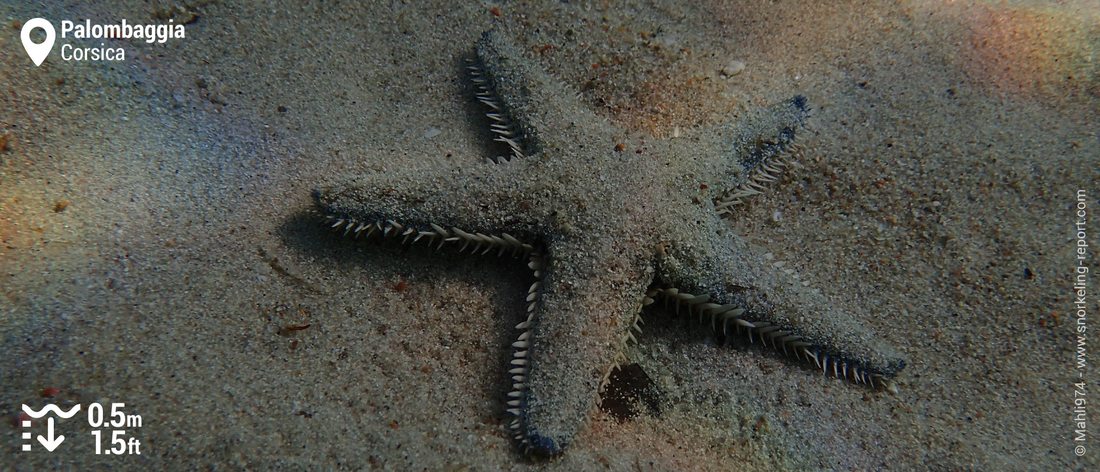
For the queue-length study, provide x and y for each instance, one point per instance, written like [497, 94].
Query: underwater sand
[157, 245]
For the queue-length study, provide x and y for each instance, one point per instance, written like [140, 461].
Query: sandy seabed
[158, 247]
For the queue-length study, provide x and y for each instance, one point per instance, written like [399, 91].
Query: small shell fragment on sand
[733, 68]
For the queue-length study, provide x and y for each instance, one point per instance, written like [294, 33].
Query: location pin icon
[38, 52]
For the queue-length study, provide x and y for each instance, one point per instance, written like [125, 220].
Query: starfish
[604, 233]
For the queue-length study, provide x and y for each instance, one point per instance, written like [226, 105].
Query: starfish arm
[739, 288]
[463, 206]
[756, 151]
[524, 102]
[580, 315]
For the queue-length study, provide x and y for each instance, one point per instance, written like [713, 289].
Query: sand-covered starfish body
[606, 232]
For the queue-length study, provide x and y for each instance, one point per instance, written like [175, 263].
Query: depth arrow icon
[49, 442]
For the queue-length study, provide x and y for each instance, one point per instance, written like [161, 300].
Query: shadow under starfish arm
[738, 288]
